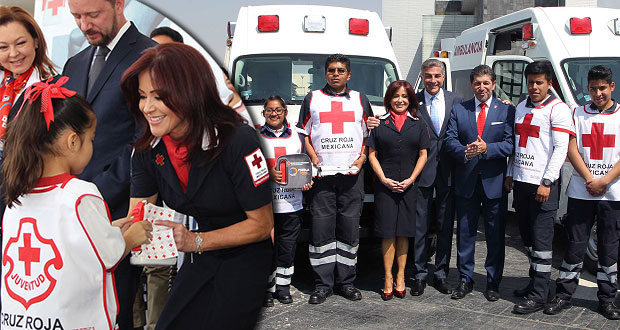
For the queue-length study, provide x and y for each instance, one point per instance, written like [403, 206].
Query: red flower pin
[159, 160]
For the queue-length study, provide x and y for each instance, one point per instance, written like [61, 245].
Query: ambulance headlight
[617, 26]
[314, 23]
[268, 23]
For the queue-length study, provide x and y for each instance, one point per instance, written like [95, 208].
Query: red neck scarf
[8, 90]
[177, 154]
[399, 119]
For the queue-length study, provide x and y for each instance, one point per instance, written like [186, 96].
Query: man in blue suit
[95, 73]
[480, 139]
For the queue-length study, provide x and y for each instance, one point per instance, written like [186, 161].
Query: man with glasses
[334, 122]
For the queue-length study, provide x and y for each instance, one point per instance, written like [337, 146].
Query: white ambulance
[281, 49]
[574, 39]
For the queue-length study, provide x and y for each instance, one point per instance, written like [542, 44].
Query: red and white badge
[257, 166]
[29, 278]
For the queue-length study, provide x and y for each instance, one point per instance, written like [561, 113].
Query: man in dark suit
[436, 177]
[95, 73]
[480, 139]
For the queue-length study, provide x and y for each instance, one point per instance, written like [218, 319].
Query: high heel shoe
[387, 296]
[400, 294]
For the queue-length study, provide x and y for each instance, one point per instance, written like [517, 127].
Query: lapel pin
[159, 160]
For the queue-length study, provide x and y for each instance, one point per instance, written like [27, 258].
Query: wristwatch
[198, 242]
[547, 183]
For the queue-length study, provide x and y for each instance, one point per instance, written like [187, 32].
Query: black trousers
[335, 204]
[444, 210]
[536, 221]
[286, 231]
[581, 215]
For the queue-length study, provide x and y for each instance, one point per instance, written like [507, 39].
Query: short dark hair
[275, 97]
[481, 70]
[166, 31]
[338, 58]
[393, 88]
[540, 67]
[600, 72]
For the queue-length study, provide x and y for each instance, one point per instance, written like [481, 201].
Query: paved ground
[433, 310]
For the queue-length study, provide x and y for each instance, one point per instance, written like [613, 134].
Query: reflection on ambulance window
[576, 72]
[292, 76]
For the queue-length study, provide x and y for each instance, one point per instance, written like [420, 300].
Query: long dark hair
[41, 62]
[28, 140]
[186, 85]
[393, 88]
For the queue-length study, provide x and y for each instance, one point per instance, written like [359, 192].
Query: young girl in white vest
[59, 247]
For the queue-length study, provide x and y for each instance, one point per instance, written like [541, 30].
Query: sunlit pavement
[433, 309]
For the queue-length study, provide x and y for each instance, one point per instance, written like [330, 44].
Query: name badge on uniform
[296, 170]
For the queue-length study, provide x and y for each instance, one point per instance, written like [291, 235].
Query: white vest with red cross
[285, 200]
[598, 141]
[337, 127]
[59, 254]
[534, 144]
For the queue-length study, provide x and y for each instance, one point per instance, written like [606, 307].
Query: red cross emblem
[337, 117]
[29, 279]
[257, 160]
[53, 5]
[277, 151]
[526, 130]
[159, 160]
[597, 140]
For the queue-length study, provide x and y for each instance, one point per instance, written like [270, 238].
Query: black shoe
[284, 297]
[268, 301]
[351, 293]
[441, 284]
[556, 306]
[492, 292]
[462, 289]
[528, 306]
[609, 310]
[417, 289]
[522, 292]
[319, 296]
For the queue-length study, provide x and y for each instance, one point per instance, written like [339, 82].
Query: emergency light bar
[268, 23]
[314, 23]
[358, 26]
[580, 25]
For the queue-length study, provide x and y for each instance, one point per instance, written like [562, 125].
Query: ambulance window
[576, 74]
[510, 82]
[292, 76]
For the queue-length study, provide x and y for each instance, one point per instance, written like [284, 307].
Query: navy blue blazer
[438, 165]
[499, 137]
[109, 167]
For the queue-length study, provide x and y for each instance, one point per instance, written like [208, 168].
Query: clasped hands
[395, 186]
[596, 187]
[475, 148]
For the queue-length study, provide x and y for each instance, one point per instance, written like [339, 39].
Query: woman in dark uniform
[201, 159]
[397, 155]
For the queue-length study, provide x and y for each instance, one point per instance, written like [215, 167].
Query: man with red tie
[480, 139]
[593, 190]
[542, 127]
[334, 121]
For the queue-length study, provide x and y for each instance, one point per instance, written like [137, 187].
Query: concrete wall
[405, 18]
[437, 27]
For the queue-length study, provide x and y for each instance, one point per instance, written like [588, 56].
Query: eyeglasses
[278, 111]
[340, 70]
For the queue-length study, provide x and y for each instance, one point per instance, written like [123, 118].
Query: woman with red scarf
[397, 155]
[23, 60]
